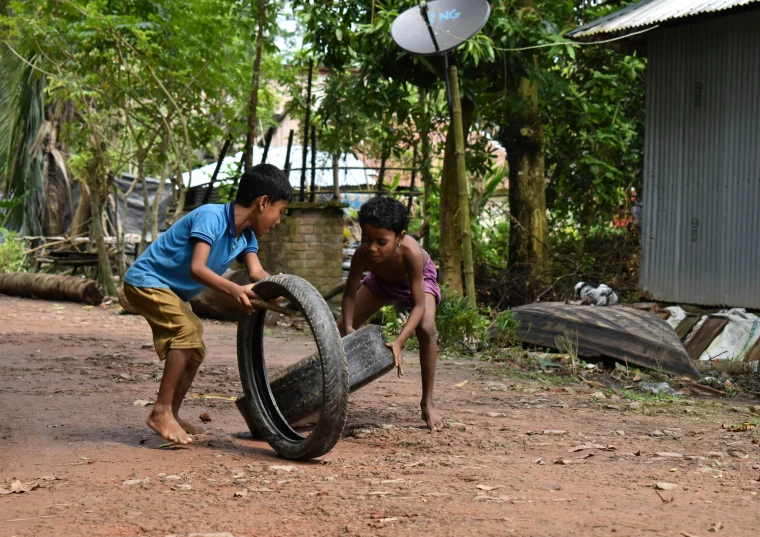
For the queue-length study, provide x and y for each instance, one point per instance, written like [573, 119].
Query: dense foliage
[90, 89]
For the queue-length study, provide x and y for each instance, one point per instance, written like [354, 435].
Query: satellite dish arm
[426, 18]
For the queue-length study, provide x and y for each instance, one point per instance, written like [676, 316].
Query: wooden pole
[222, 154]
[313, 188]
[464, 198]
[336, 176]
[307, 120]
[287, 153]
[254, 99]
[267, 143]
[381, 175]
[241, 167]
[414, 174]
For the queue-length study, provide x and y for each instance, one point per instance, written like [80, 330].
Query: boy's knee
[426, 332]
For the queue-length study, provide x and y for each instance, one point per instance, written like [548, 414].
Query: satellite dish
[439, 26]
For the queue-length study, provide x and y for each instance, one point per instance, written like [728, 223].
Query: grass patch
[558, 379]
[650, 398]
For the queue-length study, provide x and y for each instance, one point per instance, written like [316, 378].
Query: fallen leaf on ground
[284, 468]
[584, 447]
[223, 397]
[461, 383]
[142, 403]
[17, 487]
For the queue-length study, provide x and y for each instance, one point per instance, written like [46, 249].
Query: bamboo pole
[464, 198]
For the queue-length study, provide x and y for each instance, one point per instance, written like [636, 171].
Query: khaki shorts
[173, 322]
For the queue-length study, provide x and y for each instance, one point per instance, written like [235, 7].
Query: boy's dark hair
[384, 213]
[263, 180]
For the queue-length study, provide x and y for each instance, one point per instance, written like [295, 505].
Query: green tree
[152, 83]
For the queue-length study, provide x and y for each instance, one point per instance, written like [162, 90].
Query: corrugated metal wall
[701, 202]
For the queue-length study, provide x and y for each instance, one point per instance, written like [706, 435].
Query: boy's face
[378, 244]
[268, 215]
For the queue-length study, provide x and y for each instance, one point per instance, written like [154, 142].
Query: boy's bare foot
[189, 427]
[430, 415]
[165, 425]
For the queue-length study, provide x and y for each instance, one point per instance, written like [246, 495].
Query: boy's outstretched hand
[397, 356]
[242, 296]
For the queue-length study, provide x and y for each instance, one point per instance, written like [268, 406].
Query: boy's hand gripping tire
[253, 373]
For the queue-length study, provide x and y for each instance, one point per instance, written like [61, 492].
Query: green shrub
[460, 328]
[12, 258]
[502, 330]
[458, 324]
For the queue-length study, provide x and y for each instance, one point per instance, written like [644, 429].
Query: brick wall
[308, 243]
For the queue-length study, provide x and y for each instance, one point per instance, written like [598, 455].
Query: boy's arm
[349, 294]
[255, 271]
[201, 273]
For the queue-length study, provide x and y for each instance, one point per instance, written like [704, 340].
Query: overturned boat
[619, 332]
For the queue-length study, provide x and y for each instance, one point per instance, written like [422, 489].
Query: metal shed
[701, 188]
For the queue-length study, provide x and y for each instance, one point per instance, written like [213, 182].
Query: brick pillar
[307, 243]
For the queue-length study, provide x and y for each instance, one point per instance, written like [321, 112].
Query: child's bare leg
[162, 418]
[366, 304]
[181, 392]
[428, 354]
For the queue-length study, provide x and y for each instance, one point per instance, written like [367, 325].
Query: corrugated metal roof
[649, 12]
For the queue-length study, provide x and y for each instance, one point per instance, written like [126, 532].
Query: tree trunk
[51, 287]
[155, 208]
[179, 194]
[165, 170]
[146, 202]
[336, 176]
[451, 235]
[425, 166]
[57, 197]
[464, 192]
[94, 172]
[255, 86]
[529, 236]
[80, 223]
[120, 233]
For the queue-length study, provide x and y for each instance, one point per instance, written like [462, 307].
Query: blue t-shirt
[166, 262]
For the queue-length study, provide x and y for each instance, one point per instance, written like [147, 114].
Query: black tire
[253, 374]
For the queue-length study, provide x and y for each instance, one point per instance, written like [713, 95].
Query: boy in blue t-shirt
[190, 256]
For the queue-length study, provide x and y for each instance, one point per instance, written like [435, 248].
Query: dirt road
[523, 457]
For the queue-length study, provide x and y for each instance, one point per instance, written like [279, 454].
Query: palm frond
[11, 69]
[24, 162]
